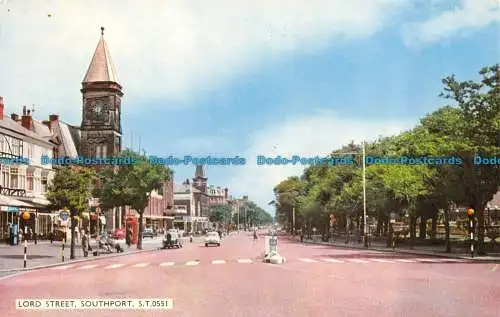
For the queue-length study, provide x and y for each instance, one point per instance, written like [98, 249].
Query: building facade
[23, 185]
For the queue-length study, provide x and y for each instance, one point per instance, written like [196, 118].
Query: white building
[24, 179]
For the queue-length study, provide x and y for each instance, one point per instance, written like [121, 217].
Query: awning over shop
[158, 217]
[35, 202]
[7, 202]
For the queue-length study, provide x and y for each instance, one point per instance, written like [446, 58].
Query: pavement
[437, 251]
[316, 280]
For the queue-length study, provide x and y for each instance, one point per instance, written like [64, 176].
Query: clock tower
[101, 118]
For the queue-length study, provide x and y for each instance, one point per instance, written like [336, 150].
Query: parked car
[175, 240]
[212, 239]
[119, 234]
[148, 232]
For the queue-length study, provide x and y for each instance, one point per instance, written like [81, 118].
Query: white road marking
[86, 267]
[430, 260]
[382, 261]
[218, 262]
[167, 264]
[308, 260]
[333, 261]
[192, 263]
[64, 267]
[114, 266]
[140, 265]
[244, 261]
[357, 261]
[453, 260]
[405, 260]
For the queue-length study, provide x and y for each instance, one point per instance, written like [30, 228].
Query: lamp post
[365, 227]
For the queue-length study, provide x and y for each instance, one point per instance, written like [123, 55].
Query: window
[2, 142]
[30, 151]
[98, 151]
[29, 180]
[6, 176]
[16, 147]
[22, 179]
[104, 150]
[14, 177]
[44, 183]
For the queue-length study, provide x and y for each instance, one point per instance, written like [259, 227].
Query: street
[232, 280]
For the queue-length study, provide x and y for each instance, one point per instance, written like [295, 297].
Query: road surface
[232, 280]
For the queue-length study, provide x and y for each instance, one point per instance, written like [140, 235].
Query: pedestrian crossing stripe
[244, 261]
[333, 261]
[140, 265]
[430, 260]
[218, 262]
[86, 267]
[308, 260]
[192, 263]
[63, 267]
[382, 261]
[167, 264]
[357, 261]
[405, 260]
[114, 266]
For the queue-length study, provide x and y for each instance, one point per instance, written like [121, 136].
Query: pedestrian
[85, 243]
[128, 237]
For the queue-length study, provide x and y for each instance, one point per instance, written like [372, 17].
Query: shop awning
[6, 201]
[158, 217]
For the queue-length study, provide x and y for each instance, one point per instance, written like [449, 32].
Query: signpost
[470, 213]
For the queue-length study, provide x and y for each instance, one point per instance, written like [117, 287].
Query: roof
[101, 67]
[185, 188]
[9, 124]
[69, 140]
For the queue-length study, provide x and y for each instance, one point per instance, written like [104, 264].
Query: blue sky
[248, 78]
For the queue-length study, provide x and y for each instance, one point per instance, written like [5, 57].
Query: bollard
[63, 243]
[25, 251]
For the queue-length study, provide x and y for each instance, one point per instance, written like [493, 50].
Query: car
[175, 240]
[148, 232]
[119, 234]
[212, 239]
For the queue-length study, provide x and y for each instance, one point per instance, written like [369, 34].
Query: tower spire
[101, 68]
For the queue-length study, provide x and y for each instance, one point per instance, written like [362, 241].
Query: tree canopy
[466, 128]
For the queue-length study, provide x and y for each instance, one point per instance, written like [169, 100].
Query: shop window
[5, 176]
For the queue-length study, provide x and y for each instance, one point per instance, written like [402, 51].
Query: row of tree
[124, 185]
[468, 127]
[249, 215]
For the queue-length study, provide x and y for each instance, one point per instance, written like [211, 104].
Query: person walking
[85, 243]
[128, 237]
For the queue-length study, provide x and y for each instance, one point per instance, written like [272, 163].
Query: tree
[220, 214]
[71, 188]
[133, 184]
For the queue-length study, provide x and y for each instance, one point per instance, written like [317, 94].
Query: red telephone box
[133, 224]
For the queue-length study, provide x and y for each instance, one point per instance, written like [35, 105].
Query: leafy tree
[220, 214]
[133, 184]
[71, 188]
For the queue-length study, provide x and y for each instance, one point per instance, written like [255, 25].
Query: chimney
[1, 108]
[225, 193]
[53, 117]
[47, 124]
[26, 120]
[14, 117]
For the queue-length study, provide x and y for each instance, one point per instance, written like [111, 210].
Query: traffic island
[271, 250]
